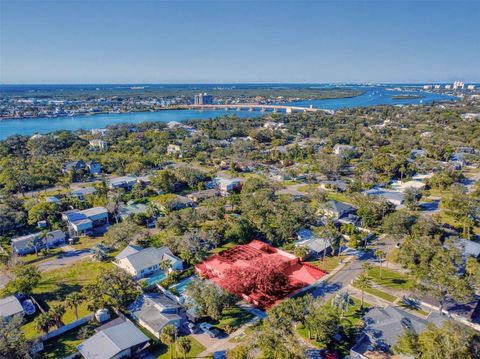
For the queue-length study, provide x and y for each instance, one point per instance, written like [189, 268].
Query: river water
[373, 95]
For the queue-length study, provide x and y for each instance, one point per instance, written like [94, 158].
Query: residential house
[125, 182]
[383, 327]
[117, 339]
[94, 167]
[141, 262]
[316, 245]
[469, 248]
[10, 306]
[227, 185]
[344, 150]
[99, 144]
[337, 209]
[84, 222]
[402, 186]
[82, 193]
[52, 199]
[173, 149]
[154, 311]
[75, 166]
[393, 197]
[131, 209]
[200, 196]
[26, 244]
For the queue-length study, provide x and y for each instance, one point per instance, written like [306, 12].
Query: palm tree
[56, 312]
[73, 300]
[167, 337]
[381, 255]
[165, 265]
[184, 344]
[363, 282]
[341, 302]
[43, 323]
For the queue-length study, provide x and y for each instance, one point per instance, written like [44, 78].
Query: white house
[125, 182]
[26, 244]
[141, 262]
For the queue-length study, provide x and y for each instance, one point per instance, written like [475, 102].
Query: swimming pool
[181, 286]
[155, 278]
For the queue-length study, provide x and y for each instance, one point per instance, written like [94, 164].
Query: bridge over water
[258, 107]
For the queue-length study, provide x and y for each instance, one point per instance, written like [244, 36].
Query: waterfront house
[99, 144]
[140, 262]
[33, 242]
[154, 311]
[117, 339]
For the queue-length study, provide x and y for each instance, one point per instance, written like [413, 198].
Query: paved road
[64, 260]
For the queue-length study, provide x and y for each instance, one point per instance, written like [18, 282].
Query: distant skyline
[121, 41]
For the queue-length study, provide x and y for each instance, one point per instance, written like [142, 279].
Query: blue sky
[103, 41]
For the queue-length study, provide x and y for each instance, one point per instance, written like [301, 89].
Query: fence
[67, 327]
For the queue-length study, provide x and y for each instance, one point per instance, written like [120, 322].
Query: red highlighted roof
[259, 273]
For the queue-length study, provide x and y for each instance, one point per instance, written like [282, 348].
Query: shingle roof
[111, 341]
[389, 323]
[149, 309]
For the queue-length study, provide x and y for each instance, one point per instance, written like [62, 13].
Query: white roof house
[118, 341]
[140, 262]
[126, 182]
[10, 306]
[402, 186]
[24, 245]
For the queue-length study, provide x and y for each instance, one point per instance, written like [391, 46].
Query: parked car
[192, 327]
[29, 307]
[209, 329]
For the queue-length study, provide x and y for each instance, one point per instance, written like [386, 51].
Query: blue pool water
[182, 285]
[155, 278]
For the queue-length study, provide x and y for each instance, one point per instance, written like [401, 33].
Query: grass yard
[328, 265]
[381, 294]
[352, 323]
[224, 247]
[339, 196]
[162, 351]
[308, 188]
[390, 279]
[63, 345]
[42, 256]
[234, 318]
[55, 285]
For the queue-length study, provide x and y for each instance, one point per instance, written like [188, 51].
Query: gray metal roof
[10, 306]
[111, 341]
[148, 257]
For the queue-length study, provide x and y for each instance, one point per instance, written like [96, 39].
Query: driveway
[65, 259]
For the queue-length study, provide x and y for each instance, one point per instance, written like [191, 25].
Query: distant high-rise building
[471, 87]
[458, 85]
[427, 87]
[448, 87]
[437, 87]
[203, 99]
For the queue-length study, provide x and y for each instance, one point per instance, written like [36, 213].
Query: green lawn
[233, 317]
[162, 351]
[223, 248]
[381, 294]
[55, 285]
[63, 345]
[41, 257]
[339, 196]
[352, 323]
[390, 279]
[328, 265]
